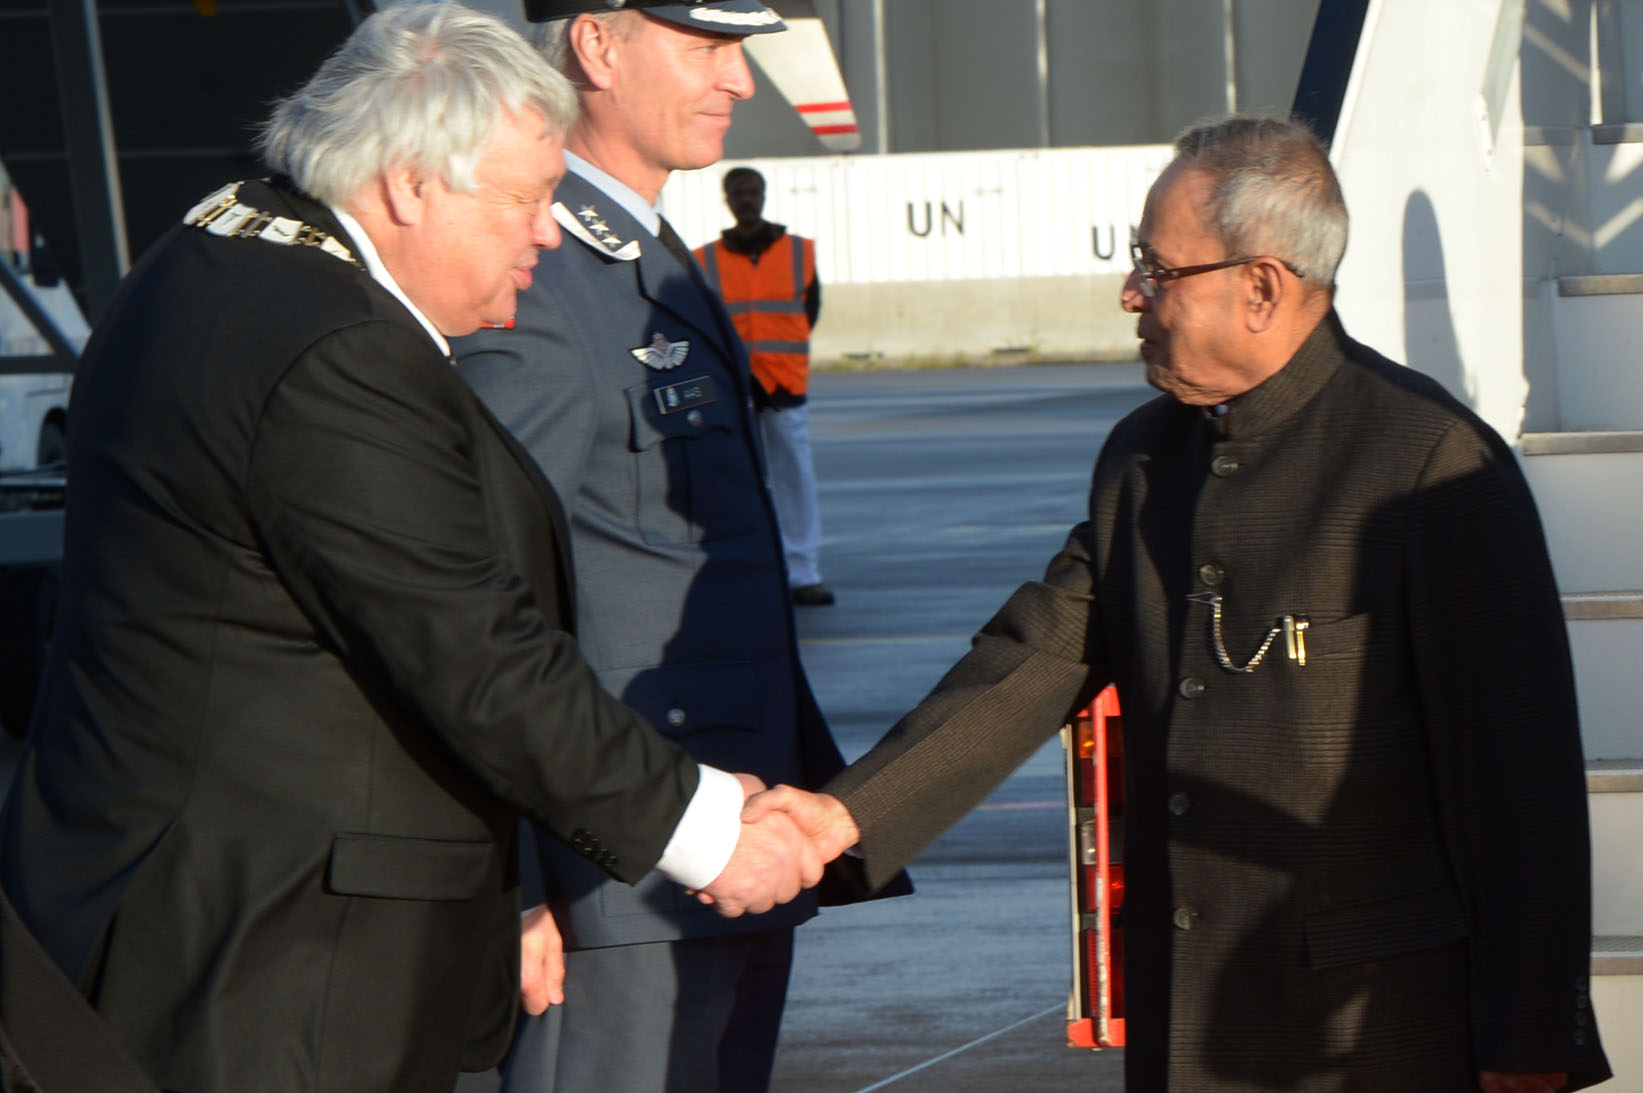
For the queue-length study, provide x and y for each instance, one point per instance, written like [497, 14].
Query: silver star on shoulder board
[661, 354]
[588, 212]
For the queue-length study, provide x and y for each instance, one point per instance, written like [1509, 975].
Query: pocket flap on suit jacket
[1378, 928]
[396, 867]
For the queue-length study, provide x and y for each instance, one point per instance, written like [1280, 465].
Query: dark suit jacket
[625, 380]
[1368, 872]
[312, 659]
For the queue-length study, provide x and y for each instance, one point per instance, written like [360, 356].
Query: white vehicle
[34, 404]
[33, 419]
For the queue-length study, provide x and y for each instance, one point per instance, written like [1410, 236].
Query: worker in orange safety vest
[767, 277]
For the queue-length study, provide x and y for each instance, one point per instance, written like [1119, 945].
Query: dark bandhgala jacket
[1370, 871]
[313, 659]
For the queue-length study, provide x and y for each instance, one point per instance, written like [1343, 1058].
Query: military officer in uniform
[623, 376]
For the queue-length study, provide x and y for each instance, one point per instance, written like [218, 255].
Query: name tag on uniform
[685, 395]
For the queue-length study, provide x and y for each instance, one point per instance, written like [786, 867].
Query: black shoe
[813, 595]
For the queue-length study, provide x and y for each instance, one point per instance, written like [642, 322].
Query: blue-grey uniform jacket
[626, 381]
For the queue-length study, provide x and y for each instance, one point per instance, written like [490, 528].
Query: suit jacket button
[1580, 1038]
[676, 717]
[1223, 466]
[1211, 574]
[694, 419]
[1190, 687]
[1183, 918]
[1179, 804]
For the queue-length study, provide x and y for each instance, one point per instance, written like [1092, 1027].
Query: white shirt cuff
[707, 833]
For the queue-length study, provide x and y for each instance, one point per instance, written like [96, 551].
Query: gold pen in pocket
[1295, 627]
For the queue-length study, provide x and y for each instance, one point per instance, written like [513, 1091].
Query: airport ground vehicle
[33, 420]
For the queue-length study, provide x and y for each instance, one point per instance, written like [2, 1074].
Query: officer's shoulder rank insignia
[661, 354]
[590, 227]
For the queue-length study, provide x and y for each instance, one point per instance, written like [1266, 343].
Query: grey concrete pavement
[942, 491]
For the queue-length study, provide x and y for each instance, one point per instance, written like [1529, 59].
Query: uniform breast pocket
[694, 474]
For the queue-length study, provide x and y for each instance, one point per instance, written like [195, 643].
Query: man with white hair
[315, 651]
[1355, 840]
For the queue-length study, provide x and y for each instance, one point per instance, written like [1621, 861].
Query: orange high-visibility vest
[766, 302]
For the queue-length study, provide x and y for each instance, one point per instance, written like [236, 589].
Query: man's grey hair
[420, 86]
[1272, 191]
[552, 40]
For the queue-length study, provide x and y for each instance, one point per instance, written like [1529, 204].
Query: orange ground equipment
[1095, 822]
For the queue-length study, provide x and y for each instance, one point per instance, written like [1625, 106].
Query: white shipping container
[951, 216]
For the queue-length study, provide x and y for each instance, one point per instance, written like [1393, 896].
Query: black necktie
[676, 247]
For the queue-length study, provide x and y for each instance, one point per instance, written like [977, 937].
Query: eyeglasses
[1152, 275]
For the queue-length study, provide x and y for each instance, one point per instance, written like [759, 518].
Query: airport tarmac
[940, 491]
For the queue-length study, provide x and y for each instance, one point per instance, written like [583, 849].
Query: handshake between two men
[787, 837]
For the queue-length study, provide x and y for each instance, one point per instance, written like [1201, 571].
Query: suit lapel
[555, 510]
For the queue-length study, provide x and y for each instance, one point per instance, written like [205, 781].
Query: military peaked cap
[720, 16]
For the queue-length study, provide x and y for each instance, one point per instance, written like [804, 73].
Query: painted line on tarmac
[910, 1071]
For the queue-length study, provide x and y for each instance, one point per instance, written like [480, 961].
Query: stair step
[1617, 954]
[1603, 232]
[1587, 442]
[1617, 1000]
[1586, 487]
[1600, 284]
[1607, 649]
[1622, 133]
[1614, 776]
[1597, 332]
[1615, 803]
[1579, 606]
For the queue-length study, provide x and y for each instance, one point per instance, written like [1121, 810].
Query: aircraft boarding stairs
[1585, 465]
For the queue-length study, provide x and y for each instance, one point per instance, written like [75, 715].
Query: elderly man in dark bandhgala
[315, 650]
[1356, 851]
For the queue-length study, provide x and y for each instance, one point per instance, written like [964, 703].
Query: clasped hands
[787, 837]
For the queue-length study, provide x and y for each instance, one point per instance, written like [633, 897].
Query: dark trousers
[694, 1016]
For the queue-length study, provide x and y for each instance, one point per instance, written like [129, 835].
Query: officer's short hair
[421, 85]
[552, 40]
[1272, 191]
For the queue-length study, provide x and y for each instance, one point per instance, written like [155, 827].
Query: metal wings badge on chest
[661, 354]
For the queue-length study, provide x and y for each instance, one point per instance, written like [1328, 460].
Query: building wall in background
[963, 75]
[954, 256]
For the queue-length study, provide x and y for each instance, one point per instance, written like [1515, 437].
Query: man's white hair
[1272, 191]
[418, 85]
